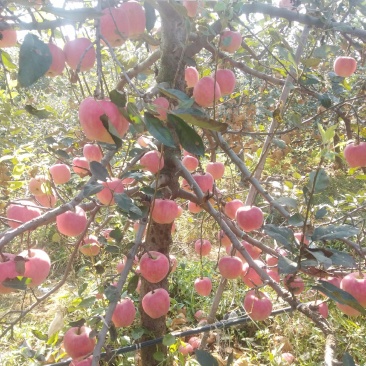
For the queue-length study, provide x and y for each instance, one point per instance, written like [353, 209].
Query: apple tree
[239, 116]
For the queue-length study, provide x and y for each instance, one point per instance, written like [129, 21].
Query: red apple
[77, 342]
[226, 80]
[143, 141]
[90, 112]
[92, 152]
[195, 342]
[200, 314]
[80, 166]
[249, 276]
[294, 284]
[230, 267]
[8, 38]
[164, 211]
[72, 223]
[156, 303]
[273, 273]
[194, 208]
[288, 357]
[190, 162]
[216, 169]
[106, 195]
[191, 76]
[204, 181]
[46, 200]
[152, 161]
[273, 261]
[191, 7]
[90, 246]
[76, 54]
[154, 266]
[230, 41]
[38, 185]
[8, 270]
[300, 238]
[252, 250]
[124, 313]
[287, 4]
[114, 26]
[257, 305]
[206, 91]
[60, 173]
[37, 265]
[202, 247]
[173, 263]
[321, 307]
[185, 349]
[58, 61]
[22, 211]
[249, 218]
[121, 264]
[161, 106]
[355, 154]
[136, 18]
[203, 286]
[225, 241]
[344, 66]
[85, 362]
[231, 207]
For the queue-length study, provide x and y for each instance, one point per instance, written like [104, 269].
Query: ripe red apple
[58, 61]
[114, 26]
[72, 223]
[344, 66]
[92, 152]
[75, 54]
[8, 38]
[249, 218]
[136, 18]
[287, 4]
[216, 169]
[195, 342]
[191, 76]
[85, 362]
[7, 271]
[202, 247]
[225, 241]
[191, 7]
[321, 307]
[152, 161]
[300, 237]
[143, 141]
[90, 246]
[204, 181]
[90, 111]
[354, 284]
[173, 263]
[106, 195]
[60, 173]
[185, 349]
[249, 276]
[180, 211]
[230, 41]
[355, 155]
[288, 357]
[294, 284]
[190, 162]
[156, 303]
[80, 166]
[200, 314]
[194, 208]
[38, 185]
[203, 286]
[257, 305]
[46, 200]
[231, 207]
[273, 261]
[162, 107]
[206, 91]
[230, 267]
[37, 265]
[121, 264]
[273, 273]
[252, 250]
[226, 80]
[22, 211]
[77, 342]
[154, 266]
[124, 313]
[164, 211]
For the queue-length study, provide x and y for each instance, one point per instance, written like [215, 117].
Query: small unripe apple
[226, 80]
[77, 342]
[8, 38]
[206, 91]
[164, 211]
[92, 152]
[249, 218]
[230, 41]
[72, 223]
[190, 162]
[162, 107]
[80, 166]
[60, 173]
[22, 211]
[152, 161]
[216, 169]
[154, 266]
[231, 207]
[355, 155]
[75, 54]
[156, 303]
[203, 286]
[257, 305]
[202, 247]
[124, 313]
[344, 66]
[230, 267]
[191, 76]
[106, 195]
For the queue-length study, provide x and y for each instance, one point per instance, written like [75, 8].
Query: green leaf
[158, 130]
[150, 16]
[87, 302]
[34, 60]
[205, 359]
[62, 154]
[127, 206]
[77, 323]
[7, 61]
[168, 340]
[111, 293]
[98, 171]
[321, 180]
[334, 232]
[111, 130]
[319, 214]
[290, 202]
[132, 283]
[296, 220]
[188, 137]
[338, 295]
[281, 234]
[39, 113]
[325, 51]
[321, 257]
[16, 283]
[348, 360]
[159, 356]
[175, 94]
[92, 188]
[118, 98]
[38, 334]
[198, 118]
[343, 259]
[116, 234]
[327, 135]
[325, 100]
[286, 266]
[135, 117]
[112, 249]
